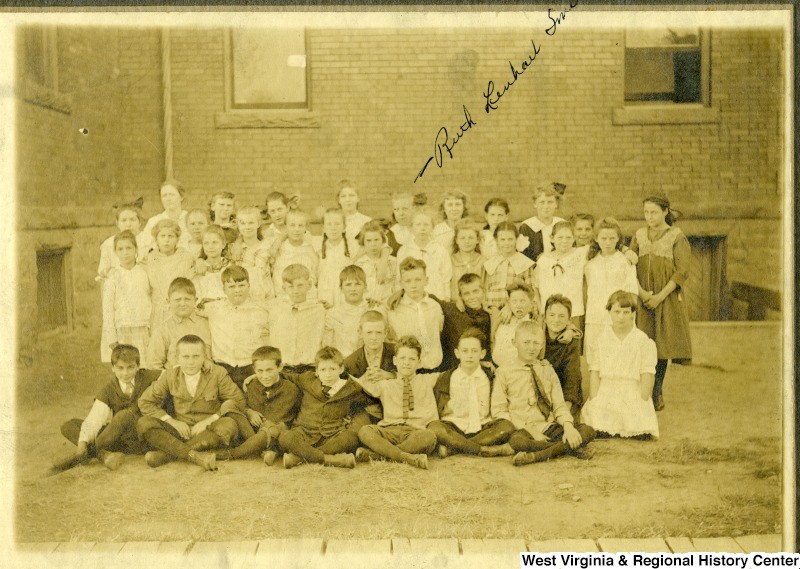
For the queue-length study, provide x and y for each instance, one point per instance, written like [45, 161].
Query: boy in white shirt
[418, 315]
[408, 408]
[342, 321]
[238, 325]
[462, 397]
[296, 322]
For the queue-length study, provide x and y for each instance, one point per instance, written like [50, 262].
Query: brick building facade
[376, 101]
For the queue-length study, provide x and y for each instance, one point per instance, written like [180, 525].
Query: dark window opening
[52, 290]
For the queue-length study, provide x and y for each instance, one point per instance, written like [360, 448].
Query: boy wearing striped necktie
[408, 408]
[528, 393]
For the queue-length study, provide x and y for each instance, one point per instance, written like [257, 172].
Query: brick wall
[67, 180]
[380, 97]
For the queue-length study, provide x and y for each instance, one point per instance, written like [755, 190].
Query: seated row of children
[376, 397]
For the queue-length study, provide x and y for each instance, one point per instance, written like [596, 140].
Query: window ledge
[37, 94]
[666, 114]
[266, 119]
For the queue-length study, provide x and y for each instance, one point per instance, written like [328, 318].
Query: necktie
[408, 397]
[326, 390]
[541, 399]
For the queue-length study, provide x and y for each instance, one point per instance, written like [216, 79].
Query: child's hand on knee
[183, 429]
[572, 438]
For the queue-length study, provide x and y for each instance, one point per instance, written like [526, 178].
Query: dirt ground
[716, 471]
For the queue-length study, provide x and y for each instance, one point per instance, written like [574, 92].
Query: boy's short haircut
[352, 273]
[559, 299]
[277, 197]
[249, 210]
[221, 195]
[296, 213]
[235, 273]
[175, 184]
[408, 342]
[412, 264]
[624, 299]
[126, 236]
[166, 224]
[582, 217]
[181, 284]
[524, 287]
[198, 211]
[371, 316]
[559, 225]
[506, 226]
[496, 202]
[529, 326]
[329, 353]
[267, 353]
[192, 340]
[294, 272]
[125, 353]
[423, 211]
[373, 226]
[467, 278]
[473, 332]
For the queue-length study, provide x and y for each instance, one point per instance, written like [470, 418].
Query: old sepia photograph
[300, 289]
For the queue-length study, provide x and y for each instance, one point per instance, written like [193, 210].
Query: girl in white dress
[333, 250]
[560, 271]
[214, 254]
[607, 271]
[379, 265]
[622, 375]
[129, 218]
[126, 300]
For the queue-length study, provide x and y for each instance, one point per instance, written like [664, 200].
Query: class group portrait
[237, 292]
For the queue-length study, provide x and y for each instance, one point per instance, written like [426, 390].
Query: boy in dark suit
[109, 430]
[374, 359]
[202, 396]
[272, 402]
[323, 432]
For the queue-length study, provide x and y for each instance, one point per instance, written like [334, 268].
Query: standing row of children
[248, 306]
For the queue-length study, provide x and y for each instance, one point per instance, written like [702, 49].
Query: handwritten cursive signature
[491, 103]
[444, 142]
[553, 28]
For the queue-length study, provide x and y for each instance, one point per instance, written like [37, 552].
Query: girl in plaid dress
[507, 267]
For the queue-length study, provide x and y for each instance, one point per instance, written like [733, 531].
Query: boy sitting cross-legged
[109, 430]
[462, 396]
[272, 402]
[322, 432]
[527, 393]
[408, 408]
[202, 396]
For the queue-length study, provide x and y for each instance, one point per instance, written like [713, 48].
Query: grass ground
[715, 472]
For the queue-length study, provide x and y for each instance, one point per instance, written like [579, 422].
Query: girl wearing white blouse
[622, 375]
